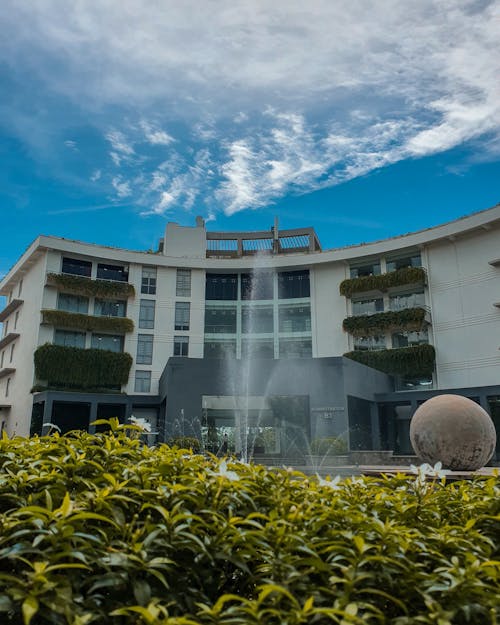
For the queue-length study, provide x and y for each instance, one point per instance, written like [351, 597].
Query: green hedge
[330, 445]
[417, 359]
[400, 277]
[99, 530]
[378, 323]
[91, 288]
[81, 368]
[78, 321]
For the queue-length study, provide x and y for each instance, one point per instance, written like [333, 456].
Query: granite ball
[453, 430]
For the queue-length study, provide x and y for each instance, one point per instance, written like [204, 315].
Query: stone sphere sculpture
[453, 430]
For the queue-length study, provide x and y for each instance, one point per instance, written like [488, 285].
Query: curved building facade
[257, 341]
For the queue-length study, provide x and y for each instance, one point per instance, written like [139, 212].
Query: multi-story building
[262, 333]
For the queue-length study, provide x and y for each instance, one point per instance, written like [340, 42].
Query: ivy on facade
[400, 277]
[91, 288]
[410, 319]
[413, 360]
[90, 323]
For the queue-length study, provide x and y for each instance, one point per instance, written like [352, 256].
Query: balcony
[409, 319]
[383, 282]
[10, 308]
[8, 338]
[83, 285]
[495, 263]
[6, 371]
[87, 323]
[413, 361]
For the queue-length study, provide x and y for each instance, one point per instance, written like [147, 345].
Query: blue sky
[362, 119]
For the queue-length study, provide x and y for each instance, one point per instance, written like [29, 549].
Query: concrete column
[375, 426]
[92, 416]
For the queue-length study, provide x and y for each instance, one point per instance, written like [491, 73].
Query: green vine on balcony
[90, 323]
[400, 277]
[416, 360]
[90, 287]
[83, 369]
[412, 319]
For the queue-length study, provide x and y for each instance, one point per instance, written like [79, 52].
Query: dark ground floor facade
[272, 409]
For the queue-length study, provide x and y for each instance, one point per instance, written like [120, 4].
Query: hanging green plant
[417, 359]
[412, 319]
[81, 368]
[400, 277]
[90, 323]
[90, 287]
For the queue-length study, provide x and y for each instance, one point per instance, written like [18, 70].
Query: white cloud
[277, 97]
[121, 187]
[96, 175]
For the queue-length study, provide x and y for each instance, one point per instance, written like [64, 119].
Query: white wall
[466, 325]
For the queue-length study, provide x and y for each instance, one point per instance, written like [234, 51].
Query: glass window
[1, 359]
[12, 352]
[147, 314]
[405, 339]
[7, 386]
[148, 282]
[257, 319]
[181, 345]
[293, 284]
[16, 319]
[367, 306]
[257, 285]
[110, 342]
[369, 269]
[220, 349]
[369, 343]
[294, 318]
[112, 272]
[183, 283]
[405, 261]
[20, 290]
[220, 320]
[294, 348]
[110, 308]
[144, 349]
[407, 300]
[77, 267]
[73, 303]
[68, 338]
[142, 382]
[221, 286]
[6, 328]
[257, 348]
[182, 311]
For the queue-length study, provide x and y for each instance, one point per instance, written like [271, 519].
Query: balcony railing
[413, 319]
[90, 287]
[383, 282]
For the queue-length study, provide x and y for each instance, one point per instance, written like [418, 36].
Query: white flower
[426, 470]
[223, 472]
[333, 484]
[142, 423]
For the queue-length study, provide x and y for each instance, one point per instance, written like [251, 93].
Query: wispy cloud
[232, 108]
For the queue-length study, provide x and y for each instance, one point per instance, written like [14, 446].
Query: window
[7, 386]
[183, 283]
[16, 319]
[220, 320]
[6, 328]
[294, 318]
[293, 284]
[405, 261]
[369, 269]
[407, 300]
[182, 311]
[12, 351]
[20, 290]
[221, 286]
[220, 349]
[406, 339]
[257, 320]
[257, 285]
[181, 345]
[73, 303]
[110, 342]
[144, 349]
[369, 343]
[295, 348]
[257, 348]
[368, 306]
[1, 359]
[142, 381]
[68, 338]
[110, 308]
[148, 282]
[118, 273]
[77, 267]
[147, 314]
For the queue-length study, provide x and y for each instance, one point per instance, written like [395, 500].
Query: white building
[182, 336]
